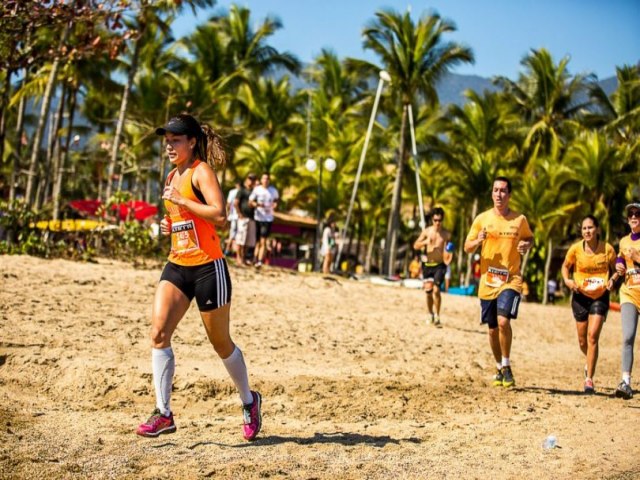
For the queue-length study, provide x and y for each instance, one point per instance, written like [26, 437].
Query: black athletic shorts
[436, 272]
[584, 306]
[263, 229]
[210, 283]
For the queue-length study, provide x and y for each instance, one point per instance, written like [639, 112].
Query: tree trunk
[17, 155]
[4, 103]
[53, 149]
[122, 116]
[547, 267]
[44, 113]
[474, 213]
[372, 242]
[461, 254]
[396, 200]
[57, 188]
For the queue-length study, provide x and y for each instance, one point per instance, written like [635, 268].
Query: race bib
[593, 284]
[496, 277]
[184, 237]
[633, 278]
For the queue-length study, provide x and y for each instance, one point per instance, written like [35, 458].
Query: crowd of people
[197, 268]
[590, 271]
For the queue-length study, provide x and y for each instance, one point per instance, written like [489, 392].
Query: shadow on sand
[339, 438]
[557, 391]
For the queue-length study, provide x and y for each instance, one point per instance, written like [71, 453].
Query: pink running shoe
[252, 416]
[156, 424]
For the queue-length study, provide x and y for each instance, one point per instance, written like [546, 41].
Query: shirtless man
[436, 253]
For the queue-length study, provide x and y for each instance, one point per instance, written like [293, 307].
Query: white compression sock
[506, 362]
[163, 364]
[237, 369]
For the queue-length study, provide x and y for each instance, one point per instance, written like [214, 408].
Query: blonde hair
[210, 147]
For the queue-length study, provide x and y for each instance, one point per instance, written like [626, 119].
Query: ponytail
[210, 148]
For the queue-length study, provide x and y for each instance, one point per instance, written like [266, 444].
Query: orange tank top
[194, 241]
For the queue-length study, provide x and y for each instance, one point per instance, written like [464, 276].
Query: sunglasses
[635, 213]
[437, 220]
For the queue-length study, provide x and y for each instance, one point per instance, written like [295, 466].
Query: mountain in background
[451, 88]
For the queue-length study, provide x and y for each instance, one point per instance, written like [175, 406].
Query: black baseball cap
[181, 125]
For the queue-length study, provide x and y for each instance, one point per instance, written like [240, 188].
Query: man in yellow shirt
[505, 236]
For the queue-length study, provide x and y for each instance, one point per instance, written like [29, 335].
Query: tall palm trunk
[44, 113]
[122, 115]
[474, 213]
[62, 159]
[53, 150]
[396, 200]
[17, 155]
[4, 102]
[547, 268]
[372, 243]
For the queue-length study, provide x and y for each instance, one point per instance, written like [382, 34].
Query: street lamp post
[311, 165]
[384, 77]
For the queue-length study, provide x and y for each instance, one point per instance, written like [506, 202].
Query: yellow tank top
[194, 241]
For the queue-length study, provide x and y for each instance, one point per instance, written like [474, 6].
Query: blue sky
[598, 35]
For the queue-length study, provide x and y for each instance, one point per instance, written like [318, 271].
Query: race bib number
[593, 284]
[496, 277]
[184, 237]
[633, 278]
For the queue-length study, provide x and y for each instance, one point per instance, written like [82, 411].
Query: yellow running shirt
[630, 290]
[499, 257]
[194, 241]
[591, 271]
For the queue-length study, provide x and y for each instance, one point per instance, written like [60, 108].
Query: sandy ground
[355, 384]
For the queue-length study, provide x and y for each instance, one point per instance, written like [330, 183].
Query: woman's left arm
[215, 212]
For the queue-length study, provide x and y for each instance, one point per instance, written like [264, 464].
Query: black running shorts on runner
[506, 305]
[584, 306]
[210, 284]
[436, 272]
[263, 229]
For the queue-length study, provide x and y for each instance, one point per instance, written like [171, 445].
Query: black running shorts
[210, 283]
[584, 306]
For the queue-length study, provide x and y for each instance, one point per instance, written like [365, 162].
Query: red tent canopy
[138, 209]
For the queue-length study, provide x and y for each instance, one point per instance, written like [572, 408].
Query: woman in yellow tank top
[196, 268]
[591, 261]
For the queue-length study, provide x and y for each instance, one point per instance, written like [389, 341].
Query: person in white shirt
[232, 216]
[265, 200]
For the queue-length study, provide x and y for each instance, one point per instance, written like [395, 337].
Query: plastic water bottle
[550, 442]
[449, 247]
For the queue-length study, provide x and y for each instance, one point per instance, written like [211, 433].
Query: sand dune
[355, 384]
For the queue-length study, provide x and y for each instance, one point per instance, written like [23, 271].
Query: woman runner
[196, 268]
[592, 262]
[628, 265]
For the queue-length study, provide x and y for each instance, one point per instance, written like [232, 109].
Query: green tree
[416, 55]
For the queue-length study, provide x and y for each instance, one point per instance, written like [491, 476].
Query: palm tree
[416, 55]
[547, 98]
[601, 172]
[147, 13]
[481, 143]
[546, 202]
